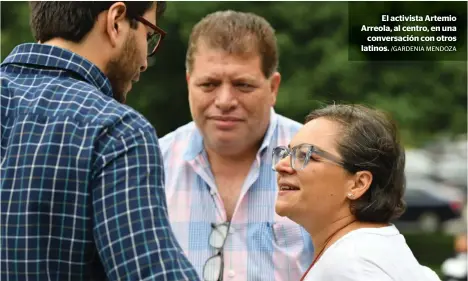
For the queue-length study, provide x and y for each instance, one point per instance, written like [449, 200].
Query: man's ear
[187, 77]
[116, 23]
[362, 180]
[275, 81]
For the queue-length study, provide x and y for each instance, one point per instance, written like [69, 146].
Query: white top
[370, 254]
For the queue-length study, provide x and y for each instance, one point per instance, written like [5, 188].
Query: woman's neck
[325, 236]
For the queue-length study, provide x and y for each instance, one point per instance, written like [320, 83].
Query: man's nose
[144, 66]
[225, 98]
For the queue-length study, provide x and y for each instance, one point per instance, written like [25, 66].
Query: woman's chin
[282, 208]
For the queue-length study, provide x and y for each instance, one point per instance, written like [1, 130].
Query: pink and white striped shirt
[260, 245]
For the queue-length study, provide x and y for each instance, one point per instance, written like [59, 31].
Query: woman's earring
[350, 195]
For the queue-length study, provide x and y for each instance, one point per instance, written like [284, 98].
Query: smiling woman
[342, 179]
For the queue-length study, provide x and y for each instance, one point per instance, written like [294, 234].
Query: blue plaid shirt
[82, 177]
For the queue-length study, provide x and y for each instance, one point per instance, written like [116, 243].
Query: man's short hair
[72, 20]
[237, 33]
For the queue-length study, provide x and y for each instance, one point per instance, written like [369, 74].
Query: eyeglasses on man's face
[154, 39]
[213, 268]
[301, 154]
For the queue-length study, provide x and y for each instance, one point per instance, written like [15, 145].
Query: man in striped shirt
[220, 186]
[81, 191]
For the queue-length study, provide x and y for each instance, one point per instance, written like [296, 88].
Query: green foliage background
[427, 99]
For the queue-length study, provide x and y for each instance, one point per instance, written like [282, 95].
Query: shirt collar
[196, 147]
[59, 58]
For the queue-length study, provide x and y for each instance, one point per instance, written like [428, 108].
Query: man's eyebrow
[244, 77]
[206, 77]
[248, 79]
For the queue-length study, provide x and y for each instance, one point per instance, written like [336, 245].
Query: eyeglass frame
[311, 149]
[156, 30]
[214, 227]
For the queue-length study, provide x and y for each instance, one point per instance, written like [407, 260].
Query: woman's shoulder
[377, 245]
[369, 242]
[378, 253]
[341, 265]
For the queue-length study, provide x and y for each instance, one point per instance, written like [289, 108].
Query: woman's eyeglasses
[301, 154]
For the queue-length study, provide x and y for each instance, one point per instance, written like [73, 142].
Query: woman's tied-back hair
[370, 142]
[237, 33]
